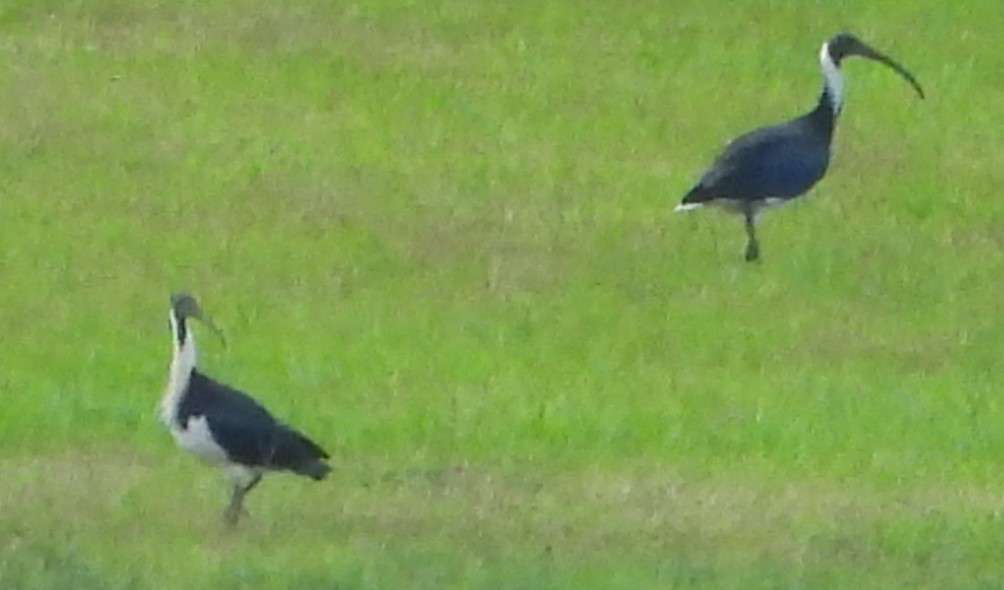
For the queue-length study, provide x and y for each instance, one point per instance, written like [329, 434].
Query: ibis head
[844, 45]
[184, 306]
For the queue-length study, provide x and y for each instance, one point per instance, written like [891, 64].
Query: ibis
[772, 165]
[226, 427]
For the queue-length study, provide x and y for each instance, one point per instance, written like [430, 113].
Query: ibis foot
[233, 513]
[235, 509]
[752, 245]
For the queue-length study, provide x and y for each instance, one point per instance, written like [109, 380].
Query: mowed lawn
[439, 236]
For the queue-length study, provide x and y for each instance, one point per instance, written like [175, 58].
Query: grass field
[440, 238]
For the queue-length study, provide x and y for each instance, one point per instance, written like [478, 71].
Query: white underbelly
[198, 440]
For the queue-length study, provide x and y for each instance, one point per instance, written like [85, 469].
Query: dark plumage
[781, 160]
[247, 432]
[772, 165]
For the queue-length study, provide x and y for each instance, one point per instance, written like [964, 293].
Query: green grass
[439, 236]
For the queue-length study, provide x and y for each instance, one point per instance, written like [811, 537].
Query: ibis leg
[752, 245]
[235, 508]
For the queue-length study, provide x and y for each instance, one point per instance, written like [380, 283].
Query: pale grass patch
[255, 29]
[598, 514]
[145, 514]
[70, 486]
[582, 512]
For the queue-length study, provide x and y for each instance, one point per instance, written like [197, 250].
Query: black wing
[249, 433]
[782, 161]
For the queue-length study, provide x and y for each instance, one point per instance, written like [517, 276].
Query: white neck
[833, 78]
[182, 365]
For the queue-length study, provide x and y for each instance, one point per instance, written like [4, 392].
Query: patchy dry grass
[70, 513]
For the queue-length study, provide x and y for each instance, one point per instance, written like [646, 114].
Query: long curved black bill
[865, 51]
[213, 327]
